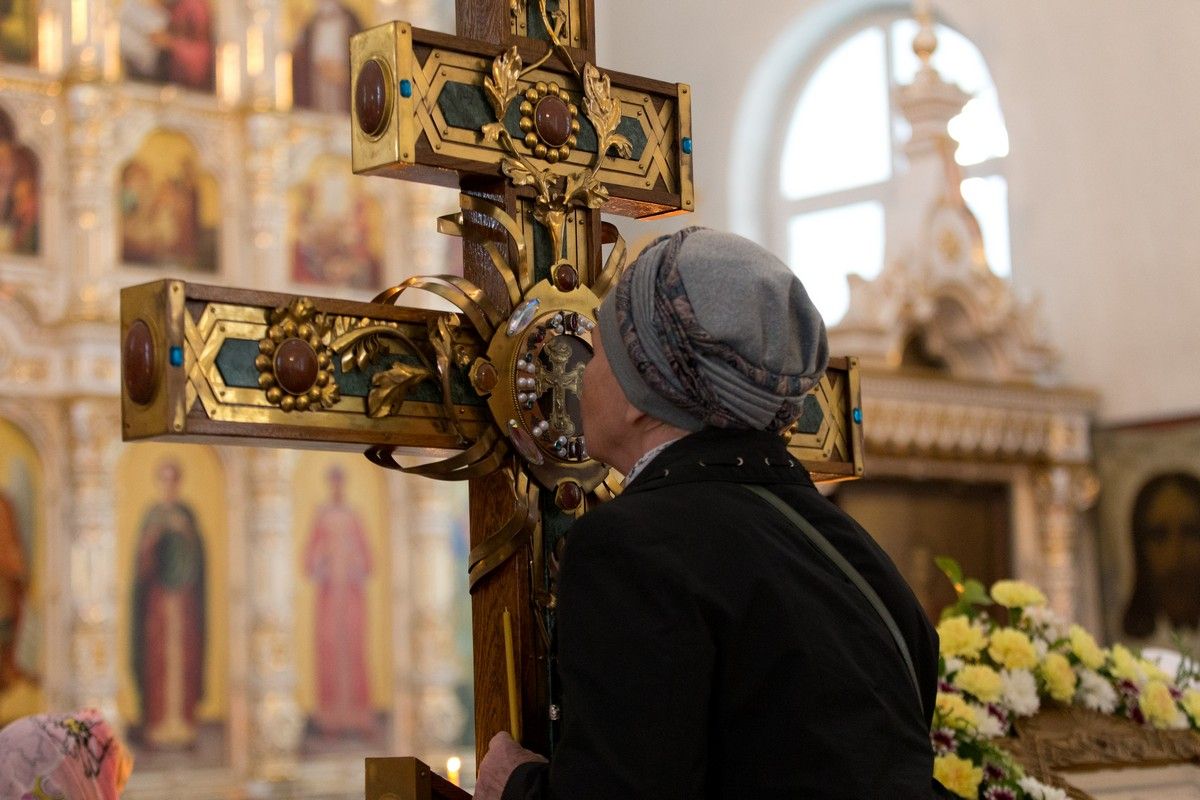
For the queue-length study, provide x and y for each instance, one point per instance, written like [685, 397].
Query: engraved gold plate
[437, 82]
[207, 341]
[828, 437]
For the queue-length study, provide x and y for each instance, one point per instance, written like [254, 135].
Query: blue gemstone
[858, 416]
[406, 88]
[176, 356]
[687, 145]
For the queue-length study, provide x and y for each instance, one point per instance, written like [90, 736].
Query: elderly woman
[62, 756]
[724, 631]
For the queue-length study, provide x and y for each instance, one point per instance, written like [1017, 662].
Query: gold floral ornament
[363, 343]
[555, 193]
[294, 364]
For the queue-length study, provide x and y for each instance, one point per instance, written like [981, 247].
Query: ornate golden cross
[539, 141]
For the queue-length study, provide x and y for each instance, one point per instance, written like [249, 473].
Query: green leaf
[974, 593]
[951, 569]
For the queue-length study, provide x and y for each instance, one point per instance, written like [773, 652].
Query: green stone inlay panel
[586, 138]
[630, 128]
[543, 249]
[465, 105]
[236, 364]
[535, 29]
[811, 416]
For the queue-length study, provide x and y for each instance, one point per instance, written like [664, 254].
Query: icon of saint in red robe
[338, 561]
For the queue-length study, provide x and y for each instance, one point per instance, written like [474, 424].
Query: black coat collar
[716, 454]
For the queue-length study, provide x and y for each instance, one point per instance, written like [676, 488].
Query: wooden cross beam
[539, 142]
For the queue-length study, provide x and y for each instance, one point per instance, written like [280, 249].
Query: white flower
[1020, 692]
[953, 665]
[1041, 647]
[1095, 692]
[1040, 791]
[1044, 618]
[988, 726]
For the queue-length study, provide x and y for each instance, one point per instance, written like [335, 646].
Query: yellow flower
[1059, 677]
[1012, 649]
[957, 636]
[1158, 706]
[1191, 704]
[1125, 665]
[983, 682]
[954, 711]
[958, 775]
[1152, 671]
[1017, 594]
[1084, 646]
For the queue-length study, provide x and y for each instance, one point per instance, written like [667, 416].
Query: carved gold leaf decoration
[493, 131]
[330, 395]
[360, 341]
[604, 111]
[503, 84]
[441, 336]
[517, 172]
[585, 187]
[389, 389]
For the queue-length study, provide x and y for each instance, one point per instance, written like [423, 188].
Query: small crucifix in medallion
[561, 381]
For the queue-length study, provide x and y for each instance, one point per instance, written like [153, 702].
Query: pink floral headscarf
[62, 757]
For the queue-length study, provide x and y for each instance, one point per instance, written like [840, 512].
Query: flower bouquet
[1004, 655]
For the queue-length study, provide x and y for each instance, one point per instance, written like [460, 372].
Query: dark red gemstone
[566, 278]
[552, 120]
[371, 98]
[138, 363]
[296, 366]
[486, 378]
[568, 496]
[526, 446]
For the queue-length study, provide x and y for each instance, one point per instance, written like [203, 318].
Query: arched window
[844, 144]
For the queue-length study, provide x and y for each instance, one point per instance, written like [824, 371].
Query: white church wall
[1104, 179]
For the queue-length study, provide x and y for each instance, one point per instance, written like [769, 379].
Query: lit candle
[453, 768]
[283, 81]
[254, 50]
[514, 717]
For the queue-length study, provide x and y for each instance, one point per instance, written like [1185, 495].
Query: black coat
[706, 650]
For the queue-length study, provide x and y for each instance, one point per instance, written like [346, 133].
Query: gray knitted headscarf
[707, 329]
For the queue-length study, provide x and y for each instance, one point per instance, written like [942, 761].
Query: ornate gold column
[439, 714]
[276, 723]
[89, 214]
[267, 75]
[266, 171]
[1062, 494]
[92, 583]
